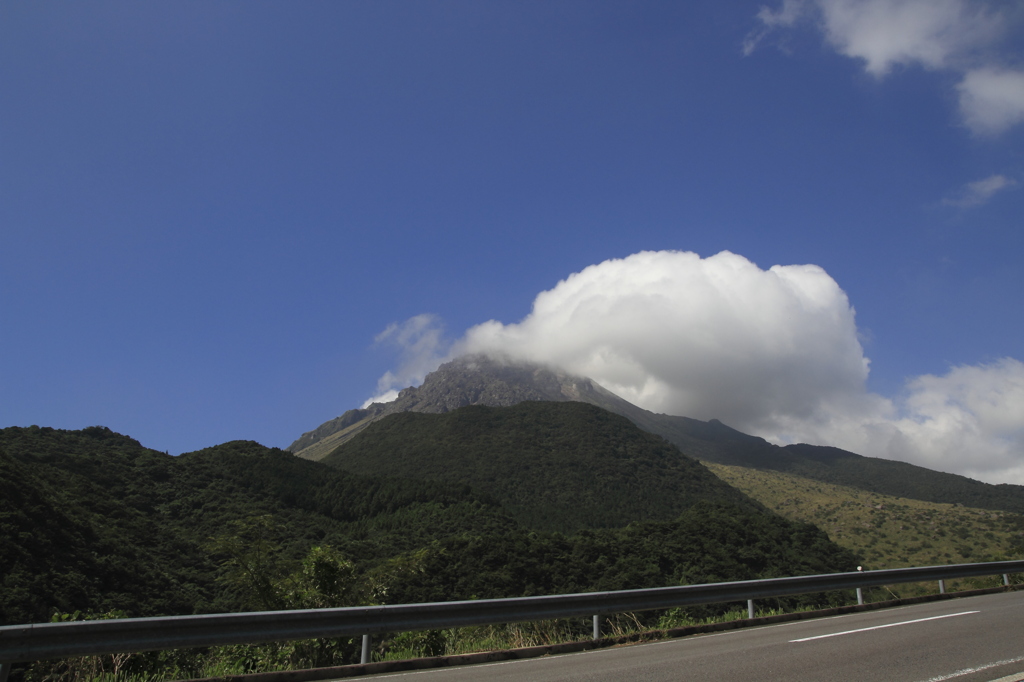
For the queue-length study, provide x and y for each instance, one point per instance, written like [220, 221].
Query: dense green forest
[558, 466]
[93, 521]
[710, 542]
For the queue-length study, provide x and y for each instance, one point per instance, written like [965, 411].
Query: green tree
[326, 579]
[250, 567]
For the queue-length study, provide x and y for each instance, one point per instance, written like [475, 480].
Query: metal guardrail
[38, 641]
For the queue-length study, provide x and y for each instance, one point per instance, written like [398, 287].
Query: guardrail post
[5, 670]
[364, 658]
[597, 627]
[860, 594]
[1006, 583]
[750, 608]
[942, 587]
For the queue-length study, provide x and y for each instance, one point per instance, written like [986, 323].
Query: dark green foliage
[553, 466]
[707, 543]
[92, 521]
[79, 533]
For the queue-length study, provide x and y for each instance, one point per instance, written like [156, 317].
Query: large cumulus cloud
[715, 337]
[772, 352]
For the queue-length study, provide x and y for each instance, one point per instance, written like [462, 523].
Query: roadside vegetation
[96, 526]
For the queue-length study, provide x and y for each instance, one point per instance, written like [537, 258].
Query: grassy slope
[887, 532]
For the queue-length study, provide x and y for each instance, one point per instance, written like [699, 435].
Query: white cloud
[992, 100]
[884, 33]
[786, 16]
[951, 35]
[969, 421]
[772, 352]
[972, 417]
[980, 191]
[715, 337]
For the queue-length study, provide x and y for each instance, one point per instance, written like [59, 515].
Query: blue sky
[210, 211]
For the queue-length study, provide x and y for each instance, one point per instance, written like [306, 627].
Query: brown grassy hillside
[887, 532]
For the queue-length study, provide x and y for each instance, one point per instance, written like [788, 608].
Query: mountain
[480, 380]
[469, 380]
[557, 466]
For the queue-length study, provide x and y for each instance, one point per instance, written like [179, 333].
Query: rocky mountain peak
[466, 380]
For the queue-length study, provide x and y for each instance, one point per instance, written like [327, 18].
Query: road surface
[975, 639]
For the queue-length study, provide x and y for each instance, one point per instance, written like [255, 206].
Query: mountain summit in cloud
[480, 379]
[502, 382]
[476, 379]
[774, 352]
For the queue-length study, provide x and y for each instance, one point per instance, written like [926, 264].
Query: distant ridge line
[482, 380]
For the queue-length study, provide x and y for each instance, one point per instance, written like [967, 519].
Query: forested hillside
[559, 466]
[709, 542]
[91, 520]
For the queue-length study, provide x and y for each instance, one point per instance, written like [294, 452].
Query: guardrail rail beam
[39, 641]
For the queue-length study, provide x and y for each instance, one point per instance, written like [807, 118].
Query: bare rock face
[467, 380]
[479, 380]
[484, 380]
[327, 429]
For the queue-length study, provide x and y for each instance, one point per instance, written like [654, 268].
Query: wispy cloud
[784, 17]
[773, 352]
[979, 192]
[421, 348]
[962, 37]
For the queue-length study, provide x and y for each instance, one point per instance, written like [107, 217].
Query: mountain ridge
[468, 380]
[482, 380]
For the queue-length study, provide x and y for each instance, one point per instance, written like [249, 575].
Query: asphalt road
[975, 639]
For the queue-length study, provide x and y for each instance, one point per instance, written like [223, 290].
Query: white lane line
[967, 671]
[879, 627]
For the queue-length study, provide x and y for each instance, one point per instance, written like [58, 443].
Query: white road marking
[879, 627]
[967, 671]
